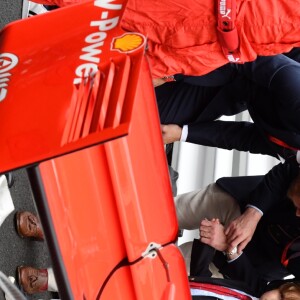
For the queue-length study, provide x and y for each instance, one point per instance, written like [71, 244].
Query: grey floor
[10, 10]
[15, 251]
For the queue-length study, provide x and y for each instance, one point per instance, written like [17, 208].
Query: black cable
[123, 263]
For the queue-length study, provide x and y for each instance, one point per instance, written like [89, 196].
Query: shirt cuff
[298, 157]
[184, 133]
[249, 205]
[230, 261]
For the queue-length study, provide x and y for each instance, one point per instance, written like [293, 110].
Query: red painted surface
[42, 62]
[108, 202]
[114, 200]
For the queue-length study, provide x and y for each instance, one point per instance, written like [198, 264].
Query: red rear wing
[67, 81]
[71, 79]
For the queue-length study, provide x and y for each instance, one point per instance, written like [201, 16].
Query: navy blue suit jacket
[269, 88]
[268, 193]
[260, 261]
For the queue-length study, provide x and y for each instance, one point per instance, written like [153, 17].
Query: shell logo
[128, 42]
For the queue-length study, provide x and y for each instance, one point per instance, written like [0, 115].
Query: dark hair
[290, 291]
[294, 188]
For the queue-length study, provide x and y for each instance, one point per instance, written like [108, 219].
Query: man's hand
[158, 81]
[212, 234]
[239, 233]
[171, 133]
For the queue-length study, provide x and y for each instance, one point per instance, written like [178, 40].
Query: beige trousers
[210, 202]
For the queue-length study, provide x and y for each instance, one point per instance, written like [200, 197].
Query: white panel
[260, 164]
[195, 169]
[194, 166]
[223, 163]
[25, 9]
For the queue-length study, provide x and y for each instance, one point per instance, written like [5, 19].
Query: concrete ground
[10, 10]
[15, 251]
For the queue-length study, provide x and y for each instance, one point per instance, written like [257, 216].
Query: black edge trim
[41, 202]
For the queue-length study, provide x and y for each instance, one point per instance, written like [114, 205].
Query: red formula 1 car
[78, 110]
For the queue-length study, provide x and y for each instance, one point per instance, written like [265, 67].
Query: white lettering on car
[91, 52]
[7, 62]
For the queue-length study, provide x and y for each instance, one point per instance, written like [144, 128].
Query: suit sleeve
[280, 75]
[273, 188]
[241, 269]
[218, 77]
[201, 256]
[242, 136]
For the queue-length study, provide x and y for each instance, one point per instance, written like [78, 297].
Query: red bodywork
[107, 210]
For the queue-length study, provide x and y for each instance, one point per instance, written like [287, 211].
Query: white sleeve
[184, 133]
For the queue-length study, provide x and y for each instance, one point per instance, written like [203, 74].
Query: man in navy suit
[268, 88]
[270, 207]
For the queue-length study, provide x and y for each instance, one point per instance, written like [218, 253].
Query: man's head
[287, 291]
[294, 193]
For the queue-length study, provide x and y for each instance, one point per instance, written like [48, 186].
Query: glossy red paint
[120, 195]
[42, 63]
[109, 204]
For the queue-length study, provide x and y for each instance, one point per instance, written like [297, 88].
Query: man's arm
[240, 231]
[237, 267]
[269, 192]
[242, 136]
[218, 77]
[274, 186]
[241, 269]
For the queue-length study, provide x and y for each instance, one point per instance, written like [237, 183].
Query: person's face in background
[294, 194]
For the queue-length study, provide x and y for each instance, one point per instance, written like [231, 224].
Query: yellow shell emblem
[128, 42]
